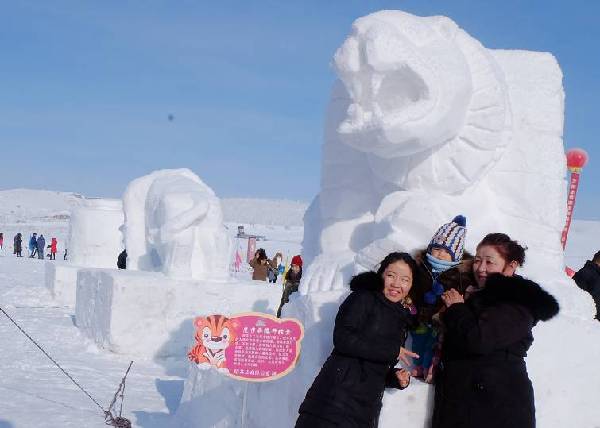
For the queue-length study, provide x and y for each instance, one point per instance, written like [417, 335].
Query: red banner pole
[570, 205]
[251, 249]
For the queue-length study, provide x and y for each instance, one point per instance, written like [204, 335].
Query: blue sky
[86, 87]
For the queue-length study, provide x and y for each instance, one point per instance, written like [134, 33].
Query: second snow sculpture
[174, 224]
[177, 268]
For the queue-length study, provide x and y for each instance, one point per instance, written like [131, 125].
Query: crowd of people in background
[37, 246]
[269, 269]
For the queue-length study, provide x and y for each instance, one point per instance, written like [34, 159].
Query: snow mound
[267, 212]
[26, 205]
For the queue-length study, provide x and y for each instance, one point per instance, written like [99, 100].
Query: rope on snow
[109, 418]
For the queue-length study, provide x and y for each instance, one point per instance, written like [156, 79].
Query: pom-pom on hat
[451, 237]
[297, 260]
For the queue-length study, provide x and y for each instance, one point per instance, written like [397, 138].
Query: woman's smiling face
[397, 281]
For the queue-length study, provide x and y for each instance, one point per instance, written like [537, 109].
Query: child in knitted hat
[441, 266]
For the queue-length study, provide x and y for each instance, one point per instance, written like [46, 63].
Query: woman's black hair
[509, 249]
[395, 257]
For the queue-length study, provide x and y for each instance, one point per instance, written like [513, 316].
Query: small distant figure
[261, 265]
[171, 117]
[18, 241]
[41, 244]
[274, 268]
[65, 255]
[33, 245]
[588, 278]
[291, 282]
[53, 248]
[1, 240]
[122, 260]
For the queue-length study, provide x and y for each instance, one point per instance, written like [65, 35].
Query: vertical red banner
[251, 248]
[570, 205]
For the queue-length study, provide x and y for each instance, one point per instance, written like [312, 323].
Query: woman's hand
[403, 377]
[451, 297]
[405, 354]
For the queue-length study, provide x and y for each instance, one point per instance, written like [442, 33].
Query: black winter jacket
[369, 331]
[588, 279]
[483, 381]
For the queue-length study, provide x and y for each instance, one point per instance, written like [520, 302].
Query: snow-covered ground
[33, 393]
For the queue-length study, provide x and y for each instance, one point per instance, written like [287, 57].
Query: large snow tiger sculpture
[423, 123]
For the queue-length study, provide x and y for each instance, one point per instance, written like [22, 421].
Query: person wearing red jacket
[53, 245]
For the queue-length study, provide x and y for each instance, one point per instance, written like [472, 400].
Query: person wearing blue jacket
[32, 245]
[41, 246]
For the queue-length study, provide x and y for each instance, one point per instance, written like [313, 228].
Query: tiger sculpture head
[214, 334]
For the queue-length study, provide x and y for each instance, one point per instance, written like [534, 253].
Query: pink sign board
[254, 346]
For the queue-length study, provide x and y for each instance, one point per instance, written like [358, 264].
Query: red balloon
[577, 158]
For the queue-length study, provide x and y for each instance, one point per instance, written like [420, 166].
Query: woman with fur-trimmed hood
[482, 380]
[368, 340]
[442, 265]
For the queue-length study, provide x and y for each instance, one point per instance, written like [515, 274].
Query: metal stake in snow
[109, 418]
[576, 160]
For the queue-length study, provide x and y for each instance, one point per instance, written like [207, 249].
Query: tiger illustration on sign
[214, 334]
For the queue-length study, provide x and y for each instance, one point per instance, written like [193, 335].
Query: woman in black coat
[18, 245]
[483, 380]
[368, 338]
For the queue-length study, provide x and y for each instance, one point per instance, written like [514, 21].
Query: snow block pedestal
[276, 403]
[150, 315]
[61, 280]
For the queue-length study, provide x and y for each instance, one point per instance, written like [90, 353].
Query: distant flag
[238, 260]
[251, 248]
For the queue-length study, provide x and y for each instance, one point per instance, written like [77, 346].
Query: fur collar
[367, 281]
[516, 289]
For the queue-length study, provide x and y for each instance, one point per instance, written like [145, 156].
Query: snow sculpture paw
[328, 272]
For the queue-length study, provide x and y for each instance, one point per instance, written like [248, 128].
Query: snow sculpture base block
[150, 315]
[94, 236]
[61, 280]
[223, 409]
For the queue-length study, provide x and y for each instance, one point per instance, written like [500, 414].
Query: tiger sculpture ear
[199, 322]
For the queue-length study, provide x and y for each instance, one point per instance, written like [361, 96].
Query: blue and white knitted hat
[451, 237]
